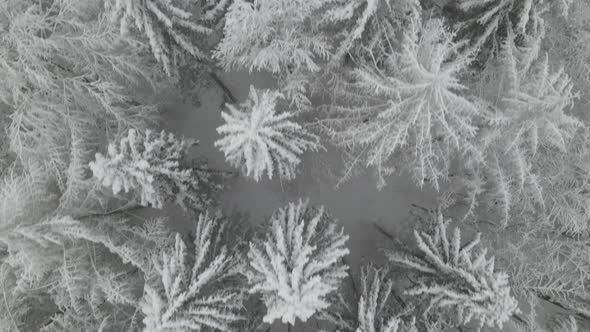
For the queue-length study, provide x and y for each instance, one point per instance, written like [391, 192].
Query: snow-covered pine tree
[260, 140]
[88, 274]
[298, 264]
[407, 110]
[360, 24]
[373, 310]
[194, 292]
[372, 314]
[68, 262]
[277, 36]
[77, 275]
[546, 267]
[151, 165]
[16, 304]
[172, 27]
[288, 36]
[294, 39]
[564, 176]
[564, 324]
[456, 277]
[484, 23]
[527, 118]
[272, 35]
[567, 43]
[70, 84]
[24, 200]
[537, 107]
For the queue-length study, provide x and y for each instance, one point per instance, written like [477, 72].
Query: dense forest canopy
[482, 102]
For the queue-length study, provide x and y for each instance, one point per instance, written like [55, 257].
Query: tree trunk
[120, 210]
[226, 91]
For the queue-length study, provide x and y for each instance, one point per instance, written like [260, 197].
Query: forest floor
[356, 204]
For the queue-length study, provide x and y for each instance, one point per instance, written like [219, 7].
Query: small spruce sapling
[151, 165]
[298, 264]
[259, 140]
[457, 277]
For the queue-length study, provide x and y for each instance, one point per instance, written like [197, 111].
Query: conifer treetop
[272, 35]
[406, 107]
[171, 26]
[298, 263]
[458, 277]
[190, 292]
[151, 165]
[259, 139]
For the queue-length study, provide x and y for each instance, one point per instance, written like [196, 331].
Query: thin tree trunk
[214, 171]
[226, 91]
[355, 290]
[519, 319]
[399, 299]
[288, 327]
[114, 212]
[353, 284]
[383, 232]
[564, 307]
